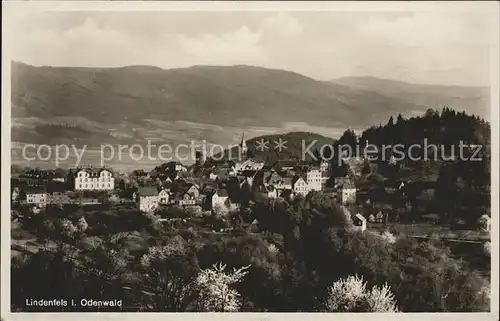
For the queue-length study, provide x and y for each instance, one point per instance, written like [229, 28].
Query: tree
[348, 138]
[366, 170]
[351, 295]
[215, 289]
[104, 265]
[390, 122]
[81, 225]
[169, 269]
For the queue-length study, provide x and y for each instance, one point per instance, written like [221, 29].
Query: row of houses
[151, 198]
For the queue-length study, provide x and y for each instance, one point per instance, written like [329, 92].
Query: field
[426, 230]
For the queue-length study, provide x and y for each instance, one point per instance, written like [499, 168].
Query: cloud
[280, 26]
[238, 47]
[426, 29]
[426, 47]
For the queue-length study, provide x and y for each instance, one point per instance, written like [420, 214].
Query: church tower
[243, 146]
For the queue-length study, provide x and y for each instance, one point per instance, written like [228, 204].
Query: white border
[13, 9]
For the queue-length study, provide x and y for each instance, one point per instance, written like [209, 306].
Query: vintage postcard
[253, 159]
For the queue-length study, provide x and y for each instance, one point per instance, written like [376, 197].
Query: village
[222, 187]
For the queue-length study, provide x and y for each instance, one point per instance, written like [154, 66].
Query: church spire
[243, 145]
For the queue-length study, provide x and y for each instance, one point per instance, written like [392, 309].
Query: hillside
[293, 146]
[142, 102]
[474, 100]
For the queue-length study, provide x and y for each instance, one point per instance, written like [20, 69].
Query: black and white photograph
[175, 157]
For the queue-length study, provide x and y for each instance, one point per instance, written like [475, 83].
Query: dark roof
[359, 217]
[296, 178]
[35, 190]
[347, 184]
[275, 177]
[148, 191]
[312, 167]
[187, 187]
[222, 192]
[221, 172]
[286, 163]
[55, 187]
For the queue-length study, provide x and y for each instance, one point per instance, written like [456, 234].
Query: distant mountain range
[53, 105]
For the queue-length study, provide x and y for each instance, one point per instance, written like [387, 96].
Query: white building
[94, 179]
[279, 182]
[348, 193]
[147, 198]
[163, 197]
[219, 198]
[314, 179]
[36, 195]
[300, 186]
[359, 222]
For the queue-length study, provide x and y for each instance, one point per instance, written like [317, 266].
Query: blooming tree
[388, 237]
[168, 271]
[349, 295]
[487, 248]
[214, 288]
[82, 225]
[67, 228]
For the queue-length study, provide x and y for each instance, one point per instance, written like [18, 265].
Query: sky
[433, 47]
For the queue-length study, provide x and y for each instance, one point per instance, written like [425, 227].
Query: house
[93, 179]
[220, 173]
[347, 192]
[314, 178]
[177, 167]
[36, 195]
[219, 198]
[249, 165]
[379, 218]
[147, 198]
[56, 193]
[359, 222]
[163, 196]
[189, 195]
[279, 181]
[324, 166]
[300, 186]
[35, 177]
